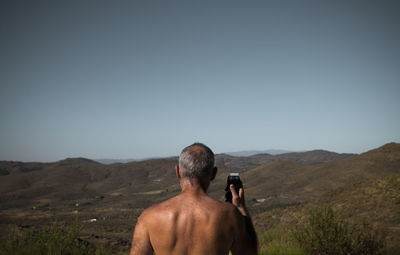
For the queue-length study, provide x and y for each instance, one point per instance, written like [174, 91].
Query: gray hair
[196, 160]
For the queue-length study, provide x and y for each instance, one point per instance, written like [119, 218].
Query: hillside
[80, 178]
[375, 202]
[284, 182]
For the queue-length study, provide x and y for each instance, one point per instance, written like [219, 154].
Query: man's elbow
[254, 251]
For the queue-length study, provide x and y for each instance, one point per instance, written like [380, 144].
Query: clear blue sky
[136, 79]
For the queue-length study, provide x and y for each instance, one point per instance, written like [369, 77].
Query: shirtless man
[193, 222]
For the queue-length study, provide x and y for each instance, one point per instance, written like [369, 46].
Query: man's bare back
[194, 223]
[191, 224]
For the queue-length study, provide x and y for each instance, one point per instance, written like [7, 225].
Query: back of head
[196, 160]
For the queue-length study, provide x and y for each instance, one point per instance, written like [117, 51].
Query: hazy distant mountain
[108, 161]
[112, 161]
[253, 152]
[235, 154]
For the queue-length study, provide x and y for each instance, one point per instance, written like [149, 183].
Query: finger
[241, 193]
[233, 191]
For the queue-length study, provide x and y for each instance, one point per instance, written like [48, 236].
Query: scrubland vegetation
[52, 239]
[323, 234]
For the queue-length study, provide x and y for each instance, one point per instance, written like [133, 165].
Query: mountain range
[236, 154]
[115, 194]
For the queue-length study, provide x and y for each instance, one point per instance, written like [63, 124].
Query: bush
[276, 242]
[367, 240]
[50, 240]
[326, 234]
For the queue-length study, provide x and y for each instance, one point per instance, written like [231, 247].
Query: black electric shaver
[234, 179]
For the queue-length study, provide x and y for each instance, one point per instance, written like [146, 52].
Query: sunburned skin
[194, 223]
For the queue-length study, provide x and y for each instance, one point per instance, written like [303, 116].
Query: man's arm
[246, 242]
[141, 241]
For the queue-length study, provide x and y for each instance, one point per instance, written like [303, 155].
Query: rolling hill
[75, 178]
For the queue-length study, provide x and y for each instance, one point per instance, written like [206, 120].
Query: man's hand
[238, 200]
[247, 243]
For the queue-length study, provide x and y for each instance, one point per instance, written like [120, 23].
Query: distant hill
[307, 158]
[76, 161]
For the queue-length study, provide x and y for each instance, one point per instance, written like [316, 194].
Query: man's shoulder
[230, 209]
[156, 209]
[223, 206]
[173, 206]
[224, 209]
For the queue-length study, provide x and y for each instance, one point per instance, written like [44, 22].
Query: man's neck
[193, 186]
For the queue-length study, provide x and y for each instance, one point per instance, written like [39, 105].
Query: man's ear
[214, 173]
[178, 174]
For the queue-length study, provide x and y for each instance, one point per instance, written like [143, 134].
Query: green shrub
[326, 234]
[276, 242]
[49, 240]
